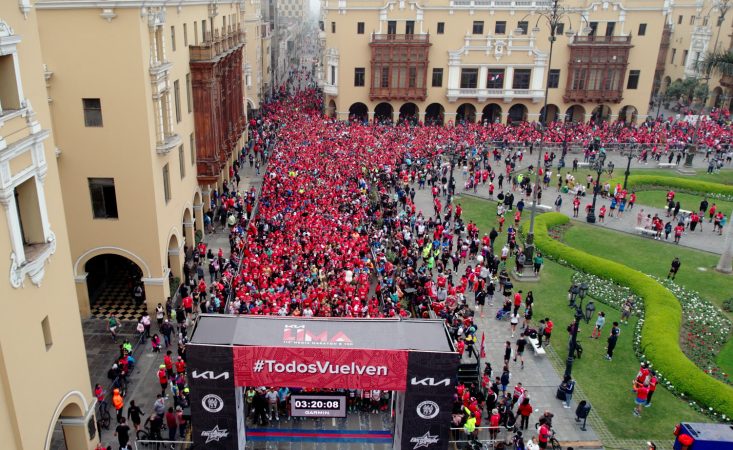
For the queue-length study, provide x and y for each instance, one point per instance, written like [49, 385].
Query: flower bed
[659, 331]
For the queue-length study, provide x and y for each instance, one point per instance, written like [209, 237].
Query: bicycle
[145, 434]
[103, 417]
[552, 441]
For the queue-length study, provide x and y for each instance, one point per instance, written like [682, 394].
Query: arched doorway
[72, 428]
[491, 113]
[175, 262]
[331, 110]
[383, 112]
[466, 113]
[628, 114]
[409, 112]
[552, 114]
[601, 113]
[575, 113]
[434, 114]
[359, 112]
[250, 109]
[198, 216]
[716, 97]
[188, 228]
[517, 113]
[111, 283]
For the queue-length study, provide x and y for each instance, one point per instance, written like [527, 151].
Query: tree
[720, 63]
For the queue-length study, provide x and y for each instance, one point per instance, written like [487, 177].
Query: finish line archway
[416, 358]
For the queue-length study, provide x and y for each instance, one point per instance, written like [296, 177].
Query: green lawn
[648, 256]
[658, 199]
[724, 177]
[606, 383]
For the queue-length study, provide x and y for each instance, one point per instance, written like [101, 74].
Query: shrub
[687, 184]
[663, 317]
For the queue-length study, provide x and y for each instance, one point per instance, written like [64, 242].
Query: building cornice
[108, 5]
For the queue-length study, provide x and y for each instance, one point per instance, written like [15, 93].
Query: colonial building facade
[44, 381]
[148, 104]
[489, 60]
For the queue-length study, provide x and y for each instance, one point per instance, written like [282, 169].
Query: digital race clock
[318, 405]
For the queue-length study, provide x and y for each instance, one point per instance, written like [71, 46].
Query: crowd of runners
[336, 232]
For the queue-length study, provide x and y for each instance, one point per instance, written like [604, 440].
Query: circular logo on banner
[428, 409]
[213, 403]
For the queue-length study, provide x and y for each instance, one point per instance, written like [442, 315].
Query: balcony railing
[398, 93]
[330, 89]
[483, 94]
[524, 4]
[587, 95]
[603, 40]
[400, 38]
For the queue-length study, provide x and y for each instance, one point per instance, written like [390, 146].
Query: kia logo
[429, 382]
[209, 375]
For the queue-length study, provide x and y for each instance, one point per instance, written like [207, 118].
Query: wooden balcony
[398, 94]
[400, 38]
[601, 40]
[593, 96]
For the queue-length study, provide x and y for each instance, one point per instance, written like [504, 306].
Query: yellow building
[148, 108]
[449, 60]
[43, 367]
[695, 32]
[257, 67]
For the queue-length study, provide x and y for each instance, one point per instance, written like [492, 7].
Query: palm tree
[720, 63]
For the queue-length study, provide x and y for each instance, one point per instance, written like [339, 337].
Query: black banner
[213, 397]
[428, 400]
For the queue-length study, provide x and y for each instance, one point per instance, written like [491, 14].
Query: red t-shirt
[642, 392]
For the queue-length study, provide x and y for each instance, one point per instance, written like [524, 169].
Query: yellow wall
[353, 49]
[35, 380]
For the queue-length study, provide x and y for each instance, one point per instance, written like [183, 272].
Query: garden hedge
[663, 316]
[687, 184]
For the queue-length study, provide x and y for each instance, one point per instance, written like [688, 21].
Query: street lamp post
[598, 166]
[554, 16]
[573, 343]
[629, 155]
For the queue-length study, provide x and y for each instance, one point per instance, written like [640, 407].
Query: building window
[320, 25]
[359, 27]
[633, 82]
[384, 79]
[684, 57]
[29, 212]
[610, 27]
[185, 35]
[593, 28]
[104, 198]
[177, 99]
[333, 27]
[495, 79]
[92, 112]
[579, 79]
[674, 53]
[441, 27]
[188, 92]
[173, 38]
[559, 29]
[9, 89]
[181, 161]
[195, 33]
[642, 29]
[521, 78]
[469, 78]
[553, 79]
[166, 183]
[523, 26]
[46, 329]
[438, 77]
[692, 20]
[412, 77]
[410, 27]
[391, 27]
[500, 27]
[679, 20]
[478, 27]
[705, 21]
[359, 76]
[333, 75]
[192, 144]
